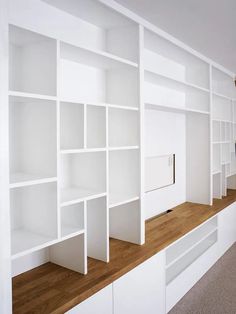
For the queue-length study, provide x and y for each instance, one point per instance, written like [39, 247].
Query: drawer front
[142, 290]
[100, 302]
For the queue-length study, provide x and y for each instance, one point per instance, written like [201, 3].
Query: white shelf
[75, 195]
[115, 200]
[31, 95]
[82, 150]
[26, 179]
[122, 107]
[25, 242]
[98, 58]
[222, 96]
[153, 106]
[123, 148]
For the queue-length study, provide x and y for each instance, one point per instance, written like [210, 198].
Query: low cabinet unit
[142, 289]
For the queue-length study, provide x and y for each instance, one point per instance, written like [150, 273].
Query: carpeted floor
[215, 293]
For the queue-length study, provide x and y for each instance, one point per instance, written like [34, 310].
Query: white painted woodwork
[100, 302]
[141, 290]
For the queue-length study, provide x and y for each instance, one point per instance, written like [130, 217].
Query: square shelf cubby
[32, 128]
[72, 219]
[32, 62]
[100, 79]
[96, 126]
[83, 175]
[33, 217]
[123, 127]
[71, 125]
[216, 132]
[123, 175]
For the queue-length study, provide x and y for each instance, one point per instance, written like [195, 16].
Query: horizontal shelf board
[31, 95]
[216, 172]
[98, 104]
[75, 195]
[25, 242]
[115, 204]
[211, 230]
[24, 179]
[149, 106]
[222, 96]
[221, 120]
[68, 232]
[93, 57]
[82, 150]
[123, 107]
[183, 83]
[123, 148]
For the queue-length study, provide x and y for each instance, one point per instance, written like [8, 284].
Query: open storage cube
[32, 139]
[123, 175]
[216, 131]
[33, 217]
[222, 83]
[217, 185]
[72, 219]
[72, 126]
[162, 91]
[216, 167]
[97, 229]
[221, 108]
[100, 79]
[165, 58]
[96, 126]
[106, 30]
[32, 62]
[83, 175]
[123, 127]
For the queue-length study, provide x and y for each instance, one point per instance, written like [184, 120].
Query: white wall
[165, 134]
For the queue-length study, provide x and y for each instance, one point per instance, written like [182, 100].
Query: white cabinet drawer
[100, 302]
[227, 228]
[142, 290]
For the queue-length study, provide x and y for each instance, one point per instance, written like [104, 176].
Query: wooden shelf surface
[53, 289]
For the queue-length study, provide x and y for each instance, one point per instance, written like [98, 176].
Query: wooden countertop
[53, 289]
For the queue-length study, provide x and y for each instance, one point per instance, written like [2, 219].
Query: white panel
[142, 289]
[198, 159]
[159, 172]
[100, 302]
[71, 254]
[96, 127]
[165, 134]
[97, 229]
[125, 222]
[227, 230]
[5, 261]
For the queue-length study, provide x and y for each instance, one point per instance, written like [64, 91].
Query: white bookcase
[223, 134]
[81, 96]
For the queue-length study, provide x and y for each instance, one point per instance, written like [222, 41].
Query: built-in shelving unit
[84, 96]
[223, 136]
[74, 113]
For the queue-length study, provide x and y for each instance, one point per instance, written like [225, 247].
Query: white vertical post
[5, 255]
[211, 135]
[141, 134]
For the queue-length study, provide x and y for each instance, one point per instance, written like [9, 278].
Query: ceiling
[208, 26]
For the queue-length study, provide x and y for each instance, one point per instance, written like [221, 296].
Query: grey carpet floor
[215, 292]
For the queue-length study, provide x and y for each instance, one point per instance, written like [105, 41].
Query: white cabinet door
[142, 290]
[99, 303]
[227, 228]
